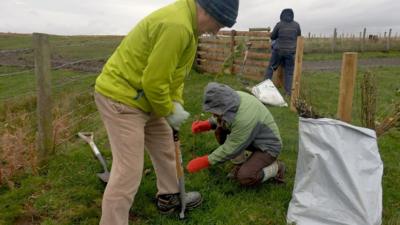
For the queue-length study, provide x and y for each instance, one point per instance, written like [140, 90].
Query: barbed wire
[20, 89]
[24, 134]
[17, 117]
[77, 120]
[33, 130]
[30, 113]
[85, 118]
[16, 50]
[57, 67]
[86, 44]
[53, 45]
[80, 61]
[17, 96]
[74, 111]
[8, 98]
[78, 93]
[15, 73]
[30, 90]
[99, 134]
[72, 81]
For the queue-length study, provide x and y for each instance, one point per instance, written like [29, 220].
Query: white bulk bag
[338, 175]
[268, 94]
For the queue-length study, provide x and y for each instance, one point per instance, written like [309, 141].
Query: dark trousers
[287, 61]
[249, 173]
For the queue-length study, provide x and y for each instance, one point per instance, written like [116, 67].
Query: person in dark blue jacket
[284, 40]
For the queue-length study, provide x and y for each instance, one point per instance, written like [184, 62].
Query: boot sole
[178, 209]
[194, 205]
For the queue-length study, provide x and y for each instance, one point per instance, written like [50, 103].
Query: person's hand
[201, 126]
[197, 164]
[176, 118]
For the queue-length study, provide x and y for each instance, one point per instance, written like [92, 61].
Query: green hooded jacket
[148, 68]
[249, 121]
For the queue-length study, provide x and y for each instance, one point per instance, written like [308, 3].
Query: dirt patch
[23, 58]
[28, 220]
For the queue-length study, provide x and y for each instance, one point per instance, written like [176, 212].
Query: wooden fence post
[363, 39]
[342, 37]
[334, 40]
[298, 65]
[388, 40]
[233, 43]
[347, 82]
[44, 103]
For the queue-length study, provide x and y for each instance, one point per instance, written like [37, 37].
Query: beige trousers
[130, 130]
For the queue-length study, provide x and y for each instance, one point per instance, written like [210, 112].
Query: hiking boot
[280, 176]
[169, 203]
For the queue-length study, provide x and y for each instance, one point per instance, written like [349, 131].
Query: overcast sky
[71, 17]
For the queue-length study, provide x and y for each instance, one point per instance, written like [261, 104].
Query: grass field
[67, 191]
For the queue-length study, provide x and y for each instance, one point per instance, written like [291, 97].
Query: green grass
[67, 48]
[322, 89]
[15, 41]
[324, 45]
[70, 193]
[18, 91]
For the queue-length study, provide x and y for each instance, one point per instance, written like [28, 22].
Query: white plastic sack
[338, 175]
[267, 93]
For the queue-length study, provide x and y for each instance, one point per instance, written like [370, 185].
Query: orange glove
[197, 164]
[201, 126]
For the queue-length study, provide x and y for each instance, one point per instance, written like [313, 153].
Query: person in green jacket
[242, 123]
[139, 97]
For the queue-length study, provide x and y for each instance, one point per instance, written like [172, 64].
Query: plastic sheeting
[268, 94]
[338, 175]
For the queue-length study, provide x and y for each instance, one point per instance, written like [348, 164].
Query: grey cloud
[119, 16]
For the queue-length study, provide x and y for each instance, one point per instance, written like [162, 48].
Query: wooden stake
[334, 40]
[347, 82]
[233, 43]
[44, 103]
[388, 40]
[363, 39]
[298, 65]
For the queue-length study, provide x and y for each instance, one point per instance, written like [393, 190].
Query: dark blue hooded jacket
[285, 33]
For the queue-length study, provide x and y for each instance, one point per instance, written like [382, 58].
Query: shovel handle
[86, 136]
[178, 154]
[181, 176]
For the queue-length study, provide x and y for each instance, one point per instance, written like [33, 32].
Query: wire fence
[363, 41]
[15, 73]
[73, 108]
[72, 92]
